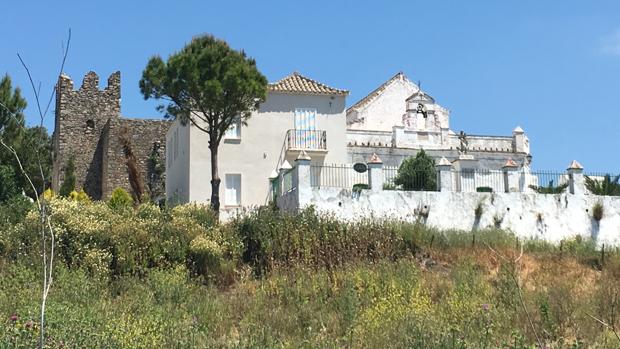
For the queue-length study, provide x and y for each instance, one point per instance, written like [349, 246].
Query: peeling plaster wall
[549, 217]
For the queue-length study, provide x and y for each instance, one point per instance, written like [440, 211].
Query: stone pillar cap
[286, 165]
[375, 159]
[510, 163]
[303, 156]
[574, 165]
[518, 129]
[444, 162]
[273, 174]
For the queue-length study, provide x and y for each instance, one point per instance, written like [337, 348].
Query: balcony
[309, 140]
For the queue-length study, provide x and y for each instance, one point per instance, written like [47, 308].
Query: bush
[598, 211]
[271, 239]
[120, 200]
[484, 190]
[417, 173]
[205, 257]
[357, 188]
[79, 196]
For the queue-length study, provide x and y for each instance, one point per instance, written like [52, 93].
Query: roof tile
[299, 84]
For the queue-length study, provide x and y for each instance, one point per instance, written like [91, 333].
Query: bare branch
[613, 330]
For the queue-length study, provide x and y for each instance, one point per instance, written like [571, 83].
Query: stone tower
[88, 127]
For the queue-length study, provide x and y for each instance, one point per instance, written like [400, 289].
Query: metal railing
[546, 182]
[479, 181]
[306, 139]
[336, 176]
[412, 181]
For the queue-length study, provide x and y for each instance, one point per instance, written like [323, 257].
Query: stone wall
[87, 129]
[81, 122]
[146, 137]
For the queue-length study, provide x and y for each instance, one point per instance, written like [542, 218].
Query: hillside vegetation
[144, 277]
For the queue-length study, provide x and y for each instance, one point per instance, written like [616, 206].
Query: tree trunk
[215, 180]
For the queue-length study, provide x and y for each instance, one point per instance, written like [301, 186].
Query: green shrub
[484, 190]
[120, 200]
[272, 239]
[357, 188]
[417, 173]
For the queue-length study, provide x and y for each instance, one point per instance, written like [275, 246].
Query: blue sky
[552, 69]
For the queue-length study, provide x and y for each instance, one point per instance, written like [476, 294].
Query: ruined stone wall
[88, 128]
[146, 137]
[81, 118]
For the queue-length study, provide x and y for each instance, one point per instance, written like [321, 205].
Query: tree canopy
[32, 144]
[209, 85]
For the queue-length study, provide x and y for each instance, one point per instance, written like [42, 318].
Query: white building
[395, 121]
[298, 114]
[398, 119]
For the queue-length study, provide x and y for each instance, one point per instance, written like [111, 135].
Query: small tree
[68, 184]
[209, 85]
[417, 173]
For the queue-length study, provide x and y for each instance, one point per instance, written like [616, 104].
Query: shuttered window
[232, 196]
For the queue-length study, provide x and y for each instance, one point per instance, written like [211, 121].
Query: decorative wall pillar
[302, 179]
[375, 173]
[576, 180]
[444, 169]
[511, 176]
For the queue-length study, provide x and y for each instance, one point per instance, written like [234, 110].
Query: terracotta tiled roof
[374, 94]
[299, 84]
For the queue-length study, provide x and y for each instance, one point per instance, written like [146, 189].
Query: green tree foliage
[11, 109]
[209, 85]
[417, 173]
[606, 186]
[32, 144]
[68, 185]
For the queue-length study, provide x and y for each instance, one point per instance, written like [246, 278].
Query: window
[232, 196]
[305, 119]
[234, 131]
[305, 127]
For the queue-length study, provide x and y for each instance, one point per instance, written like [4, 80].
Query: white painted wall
[561, 215]
[177, 176]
